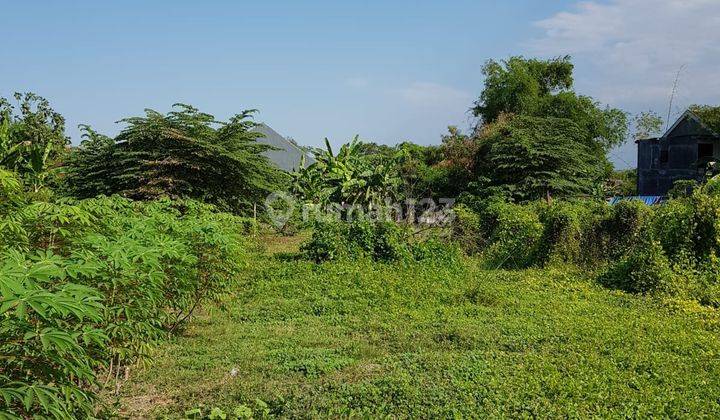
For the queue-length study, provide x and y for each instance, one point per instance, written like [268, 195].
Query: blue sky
[386, 70]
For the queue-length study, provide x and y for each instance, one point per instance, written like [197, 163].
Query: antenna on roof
[672, 95]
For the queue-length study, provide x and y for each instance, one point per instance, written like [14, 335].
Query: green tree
[185, 153]
[517, 85]
[537, 135]
[647, 124]
[544, 88]
[525, 158]
[32, 138]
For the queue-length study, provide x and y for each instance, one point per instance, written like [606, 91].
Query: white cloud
[630, 50]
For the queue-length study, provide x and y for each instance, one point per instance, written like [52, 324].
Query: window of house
[705, 150]
[663, 156]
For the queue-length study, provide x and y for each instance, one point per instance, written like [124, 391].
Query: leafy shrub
[328, 242]
[621, 230]
[97, 282]
[390, 242]
[672, 252]
[580, 232]
[332, 240]
[569, 230]
[376, 240]
[647, 270]
[673, 225]
[682, 188]
[48, 336]
[689, 225]
[437, 251]
[705, 228]
[466, 229]
[515, 237]
[712, 186]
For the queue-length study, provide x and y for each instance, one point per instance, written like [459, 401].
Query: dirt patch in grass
[144, 403]
[280, 244]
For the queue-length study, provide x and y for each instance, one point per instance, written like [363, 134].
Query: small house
[682, 153]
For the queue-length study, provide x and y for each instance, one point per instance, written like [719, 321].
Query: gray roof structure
[288, 155]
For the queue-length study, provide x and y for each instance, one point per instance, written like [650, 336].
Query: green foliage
[32, 139]
[540, 88]
[515, 235]
[621, 230]
[467, 230]
[98, 281]
[328, 242]
[657, 256]
[646, 270]
[682, 188]
[334, 240]
[517, 84]
[350, 177]
[381, 241]
[457, 167]
[565, 227]
[647, 124]
[622, 183]
[436, 251]
[426, 171]
[185, 153]
[712, 186]
[583, 232]
[537, 136]
[49, 338]
[526, 158]
[369, 175]
[709, 115]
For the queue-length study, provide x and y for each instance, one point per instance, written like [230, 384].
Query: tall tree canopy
[524, 158]
[536, 135]
[544, 88]
[518, 85]
[183, 153]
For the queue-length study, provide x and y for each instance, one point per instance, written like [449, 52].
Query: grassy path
[420, 341]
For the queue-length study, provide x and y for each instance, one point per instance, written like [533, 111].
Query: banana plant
[348, 177]
[38, 156]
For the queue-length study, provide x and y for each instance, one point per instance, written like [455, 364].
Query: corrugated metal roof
[647, 199]
[287, 156]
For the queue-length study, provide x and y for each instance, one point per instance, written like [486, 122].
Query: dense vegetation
[533, 297]
[670, 250]
[89, 286]
[185, 153]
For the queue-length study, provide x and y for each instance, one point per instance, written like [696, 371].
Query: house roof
[688, 114]
[706, 116]
[693, 114]
[286, 156]
[709, 117]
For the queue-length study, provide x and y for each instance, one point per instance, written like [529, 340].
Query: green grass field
[365, 339]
